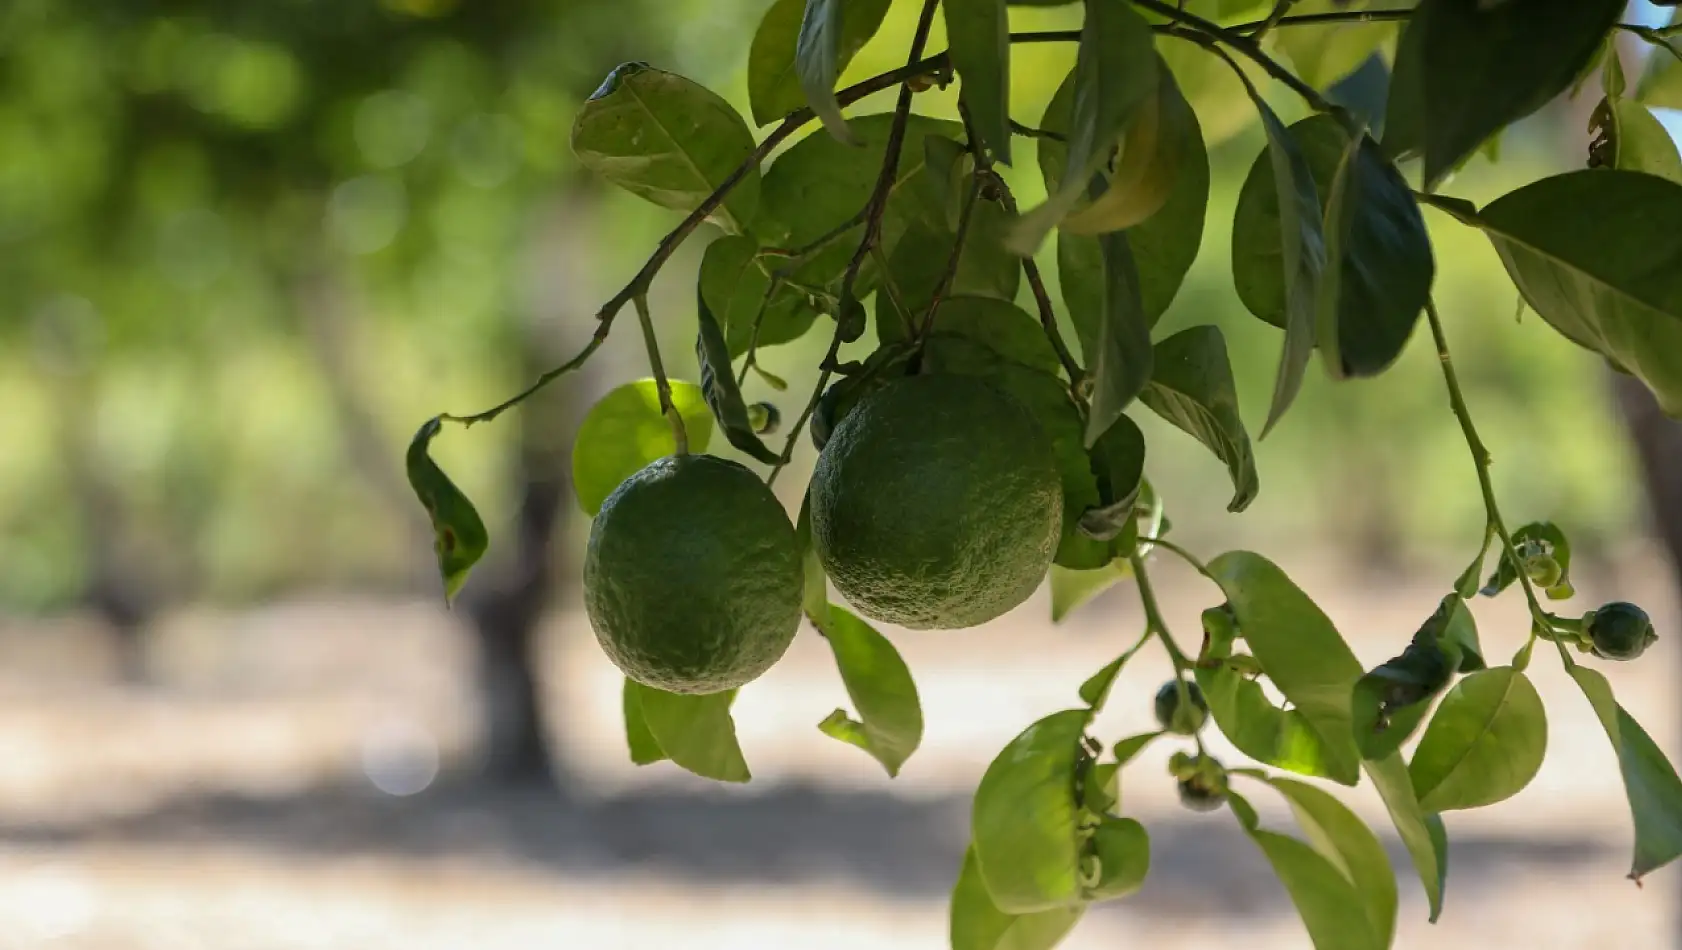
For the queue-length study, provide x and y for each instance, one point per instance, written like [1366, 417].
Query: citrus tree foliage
[975, 447]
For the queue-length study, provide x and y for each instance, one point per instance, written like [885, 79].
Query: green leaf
[920, 261]
[1464, 71]
[1301, 651]
[1122, 849]
[1661, 82]
[773, 85]
[1281, 738]
[880, 687]
[1344, 840]
[1118, 461]
[1288, 217]
[1323, 55]
[645, 750]
[625, 431]
[1070, 588]
[1330, 906]
[1466, 585]
[1539, 539]
[1484, 745]
[1125, 749]
[1391, 701]
[696, 732]
[999, 325]
[459, 536]
[1119, 366]
[733, 286]
[1422, 833]
[978, 37]
[1024, 821]
[1191, 386]
[817, 61]
[815, 598]
[1115, 73]
[718, 386]
[819, 184]
[667, 139]
[1650, 782]
[978, 924]
[1161, 137]
[1635, 139]
[1591, 253]
[1379, 266]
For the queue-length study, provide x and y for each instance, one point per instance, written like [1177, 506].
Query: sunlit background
[245, 249]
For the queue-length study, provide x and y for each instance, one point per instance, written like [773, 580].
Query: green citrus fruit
[1183, 718]
[692, 579]
[1620, 631]
[936, 503]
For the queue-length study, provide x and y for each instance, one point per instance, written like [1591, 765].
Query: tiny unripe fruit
[1177, 716]
[1543, 570]
[1198, 796]
[1619, 631]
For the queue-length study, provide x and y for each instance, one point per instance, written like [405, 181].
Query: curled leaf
[460, 537]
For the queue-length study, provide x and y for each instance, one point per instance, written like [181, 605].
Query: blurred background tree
[246, 249]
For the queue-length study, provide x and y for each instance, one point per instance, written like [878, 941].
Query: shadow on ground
[903, 849]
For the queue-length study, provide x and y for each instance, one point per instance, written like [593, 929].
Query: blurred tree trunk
[1658, 446]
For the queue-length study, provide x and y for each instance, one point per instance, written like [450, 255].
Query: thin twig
[1155, 622]
[1204, 32]
[944, 286]
[1042, 299]
[1028, 131]
[892, 290]
[662, 386]
[1280, 8]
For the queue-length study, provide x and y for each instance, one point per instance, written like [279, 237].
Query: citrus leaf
[1344, 840]
[978, 924]
[1191, 386]
[459, 535]
[718, 385]
[1484, 744]
[1650, 782]
[815, 584]
[1464, 71]
[1119, 365]
[817, 61]
[733, 285]
[625, 431]
[1024, 821]
[1264, 226]
[1122, 848]
[919, 262]
[880, 687]
[1591, 251]
[1330, 907]
[1466, 585]
[1379, 266]
[978, 35]
[1323, 55]
[1278, 737]
[1661, 81]
[1070, 588]
[667, 139]
[1301, 651]
[645, 750]
[1115, 73]
[1422, 833]
[999, 325]
[1118, 461]
[773, 86]
[1125, 749]
[1391, 701]
[1638, 141]
[695, 732]
[1157, 143]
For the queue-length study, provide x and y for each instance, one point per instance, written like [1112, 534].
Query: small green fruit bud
[1619, 631]
[1183, 716]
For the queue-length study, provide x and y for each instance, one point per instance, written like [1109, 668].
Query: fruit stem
[662, 386]
[1183, 554]
[1481, 459]
[1155, 624]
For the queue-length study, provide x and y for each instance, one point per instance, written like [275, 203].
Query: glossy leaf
[667, 139]
[1115, 74]
[718, 386]
[1119, 365]
[1118, 461]
[1379, 266]
[773, 85]
[1330, 907]
[1592, 253]
[1154, 151]
[1464, 71]
[734, 285]
[1322, 55]
[1191, 386]
[978, 38]
[1263, 731]
[1024, 821]
[1340, 837]
[978, 924]
[1122, 850]
[817, 61]
[880, 687]
[1301, 651]
[695, 732]
[645, 750]
[1071, 588]
[459, 535]
[1125, 749]
[1632, 139]
[1421, 833]
[1263, 226]
[1391, 701]
[1650, 781]
[625, 431]
[1484, 744]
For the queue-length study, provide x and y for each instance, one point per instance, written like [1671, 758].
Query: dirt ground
[277, 787]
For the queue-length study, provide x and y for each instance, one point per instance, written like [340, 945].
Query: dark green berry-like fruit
[1619, 631]
[1183, 716]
